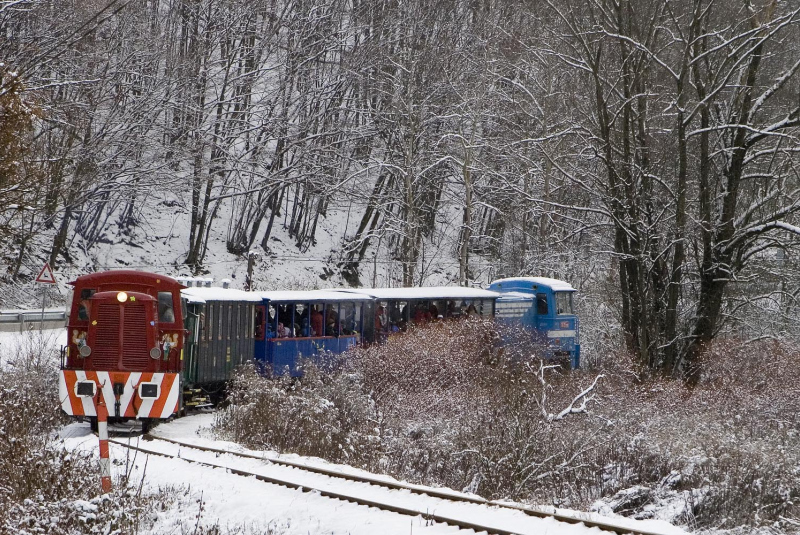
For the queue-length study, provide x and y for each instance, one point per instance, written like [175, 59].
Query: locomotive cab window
[563, 303]
[541, 304]
[166, 311]
[85, 306]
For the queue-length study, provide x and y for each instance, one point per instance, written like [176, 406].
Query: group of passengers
[291, 320]
[309, 322]
[396, 318]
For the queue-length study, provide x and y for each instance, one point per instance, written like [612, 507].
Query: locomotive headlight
[85, 389]
[149, 390]
[85, 351]
[155, 353]
[122, 297]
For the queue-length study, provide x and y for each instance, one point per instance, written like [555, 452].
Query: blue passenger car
[545, 306]
[396, 308]
[292, 326]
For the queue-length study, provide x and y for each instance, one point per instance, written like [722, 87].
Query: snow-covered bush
[30, 461]
[43, 487]
[441, 404]
[722, 454]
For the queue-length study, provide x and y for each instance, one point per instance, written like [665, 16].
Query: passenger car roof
[425, 292]
[306, 296]
[201, 295]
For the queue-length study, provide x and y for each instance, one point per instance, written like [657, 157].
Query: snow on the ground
[234, 502]
[32, 344]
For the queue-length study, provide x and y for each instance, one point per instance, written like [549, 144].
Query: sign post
[45, 276]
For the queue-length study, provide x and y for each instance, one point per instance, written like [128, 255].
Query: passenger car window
[211, 319]
[260, 322]
[220, 314]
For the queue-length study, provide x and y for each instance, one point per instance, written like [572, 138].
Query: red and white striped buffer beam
[143, 394]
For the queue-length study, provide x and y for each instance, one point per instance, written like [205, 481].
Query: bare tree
[16, 129]
[406, 95]
[726, 135]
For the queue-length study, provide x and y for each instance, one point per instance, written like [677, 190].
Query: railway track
[463, 511]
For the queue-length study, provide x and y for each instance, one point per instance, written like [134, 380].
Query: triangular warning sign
[46, 275]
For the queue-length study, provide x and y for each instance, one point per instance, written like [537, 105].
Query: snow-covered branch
[583, 397]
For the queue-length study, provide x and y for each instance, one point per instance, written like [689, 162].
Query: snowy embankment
[43, 346]
[215, 497]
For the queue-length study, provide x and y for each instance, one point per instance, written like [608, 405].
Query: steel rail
[462, 524]
[605, 526]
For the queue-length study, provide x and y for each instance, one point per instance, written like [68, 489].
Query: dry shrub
[440, 404]
[445, 405]
[118, 512]
[727, 448]
[318, 416]
[30, 460]
[746, 412]
[432, 368]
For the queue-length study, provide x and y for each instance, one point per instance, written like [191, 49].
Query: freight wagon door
[191, 324]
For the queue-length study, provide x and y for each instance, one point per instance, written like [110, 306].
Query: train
[149, 347]
[125, 342]
[544, 309]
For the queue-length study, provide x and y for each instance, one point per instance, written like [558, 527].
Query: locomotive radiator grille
[105, 353]
[135, 350]
[132, 347]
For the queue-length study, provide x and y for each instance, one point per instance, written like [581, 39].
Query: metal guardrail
[31, 318]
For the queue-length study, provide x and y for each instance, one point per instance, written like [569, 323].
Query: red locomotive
[125, 340]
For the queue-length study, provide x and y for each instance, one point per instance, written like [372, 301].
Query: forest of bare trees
[646, 151]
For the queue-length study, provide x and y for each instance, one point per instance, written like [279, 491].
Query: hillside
[417, 143]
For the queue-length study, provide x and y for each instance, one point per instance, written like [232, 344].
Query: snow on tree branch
[584, 398]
